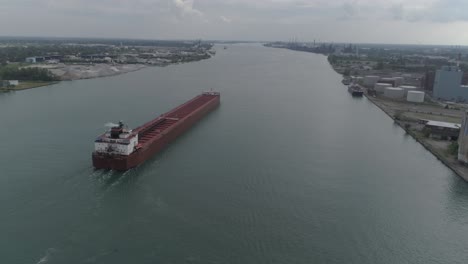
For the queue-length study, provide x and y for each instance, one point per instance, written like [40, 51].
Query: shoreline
[450, 163]
[72, 72]
[28, 85]
[75, 72]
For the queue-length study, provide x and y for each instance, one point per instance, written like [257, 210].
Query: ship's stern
[110, 162]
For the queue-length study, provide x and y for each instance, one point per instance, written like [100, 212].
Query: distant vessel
[355, 90]
[121, 148]
[225, 47]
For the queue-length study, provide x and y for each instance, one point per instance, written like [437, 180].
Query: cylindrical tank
[371, 80]
[408, 88]
[380, 87]
[398, 81]
[415, 96]
[359, 79]
[388, 80]
[394, 93]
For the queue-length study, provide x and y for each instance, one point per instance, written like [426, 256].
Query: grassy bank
[27, 85]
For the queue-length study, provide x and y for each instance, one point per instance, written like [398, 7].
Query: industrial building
[463, 140]
[447, 85]
[380, 87]
[394, 93]
[370, 80]
[443, 130]
[13, 82]
[415, 96]
[8, 83]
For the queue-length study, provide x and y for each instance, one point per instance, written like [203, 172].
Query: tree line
[26, 74]
[20, 53]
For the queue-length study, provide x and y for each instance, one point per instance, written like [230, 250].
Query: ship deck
[152, 129]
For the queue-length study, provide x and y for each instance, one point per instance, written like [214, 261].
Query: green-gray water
[290, 169]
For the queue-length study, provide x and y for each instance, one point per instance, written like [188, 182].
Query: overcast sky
[372, 21]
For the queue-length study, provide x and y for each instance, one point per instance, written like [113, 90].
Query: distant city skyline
[358, 21]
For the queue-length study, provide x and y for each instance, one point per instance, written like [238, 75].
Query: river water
[289, 169]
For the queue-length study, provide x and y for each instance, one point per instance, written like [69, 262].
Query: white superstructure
[118, 140]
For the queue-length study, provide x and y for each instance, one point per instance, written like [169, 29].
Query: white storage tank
[371, 80]
[388, 80]
[359, 79]
[398, 81]
[380, 87]
[415, 96]
[408, 88]
[394, 93]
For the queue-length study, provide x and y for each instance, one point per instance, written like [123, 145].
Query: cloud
[397, 12]
[445, 11]
[346, 20]
[185, 8]
[259, 10]
[351, 10]
[225, 19]
[437, 11]
[107, 7]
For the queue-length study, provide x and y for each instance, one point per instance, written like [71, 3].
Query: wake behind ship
[122, 149]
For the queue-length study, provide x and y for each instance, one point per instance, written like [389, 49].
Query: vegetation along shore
[28, 63]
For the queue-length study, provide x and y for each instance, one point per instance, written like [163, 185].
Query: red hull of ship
[160, 139]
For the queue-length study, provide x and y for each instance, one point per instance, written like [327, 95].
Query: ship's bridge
[117, 140]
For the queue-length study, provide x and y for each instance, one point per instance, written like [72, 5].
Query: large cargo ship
[122, 149]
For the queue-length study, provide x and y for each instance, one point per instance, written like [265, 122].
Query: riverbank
[409, 116]
[79, 71]
[26, 85]
[70, 72]
[439, 148]
[65, 72]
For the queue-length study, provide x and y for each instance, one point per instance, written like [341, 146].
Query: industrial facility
[391, 87]
[463, 140]
[415, 96]
[8, 83]
[447, 85]
[443, 130]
